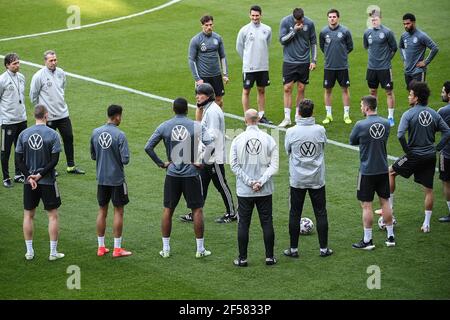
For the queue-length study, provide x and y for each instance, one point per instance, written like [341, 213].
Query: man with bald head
[254, 160]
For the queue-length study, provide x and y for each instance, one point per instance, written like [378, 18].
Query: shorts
[293, 72]
[217, 84]
[422, 168]
[369, 184]
[380, 77]
[418, 77]
[190, 187]
[49, 194]
[117, 194]
[261, 78]
[444, 168]
[330, 77]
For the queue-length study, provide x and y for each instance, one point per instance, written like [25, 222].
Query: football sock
[53, 246]
[29, 244]
[390, 230]
[328, 108]
[287, 113]
[101, 241]
[448, 205]
[390, 112]
[346, 110]
[200, 244]
[426, 222]
[166, 246]
[294, 249]
[117, 243]
[367, 234]
[323, 250]
[391, 201]
[261, 114]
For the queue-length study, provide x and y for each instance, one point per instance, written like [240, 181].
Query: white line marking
[167, 4]
[156, 97]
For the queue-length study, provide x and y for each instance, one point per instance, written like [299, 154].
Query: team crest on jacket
[308, 149]
[305, 27]
[381, 35]
[104, 140]
[253, 146]
[377, 130]
[340, 35]
[425, 118]
[179, 133]
[216, 42]
[203, 47]
[415, 39]
[35, 141]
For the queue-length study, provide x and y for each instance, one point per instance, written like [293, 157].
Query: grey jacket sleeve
[192, 57]
[240, 43]
[286, 35]
[392, 44]
[433, 47]
[349, 41]
[124, 151]
[235, 166]
[272, 169]
[35, 88]
[445, 138]
[93, 153]
[354, 138]
[322, 42]
[150, 146]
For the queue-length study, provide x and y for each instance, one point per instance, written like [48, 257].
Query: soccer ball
[306, 226]
[382, 224]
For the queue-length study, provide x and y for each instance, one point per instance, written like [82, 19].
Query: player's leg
[287, 103]
[103, 197]
[262, 81]
[297, 199]
[65, 128]
[247, 84]
[300, 96]
[264, 207]
[245, 99]
[365, 194]
[220, 182]
[444, 175]
[28, 228]
[245, 206]
[319, 204]
[6, 144]
[119, 199]
[329, 79]
[52, 201]
[19, 177]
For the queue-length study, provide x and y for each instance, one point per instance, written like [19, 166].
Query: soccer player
[181, 137]
[298, 38]
[413, 44]
[254, 160]
[214, 168]
[252, 44]
[13, 116]
[336, 43]
[381, 46]
[48, 88]
[206, 49]
[37, 154]
[371, 134]
[109, 148]
[304, 144]
[421, 122]
[444, 157]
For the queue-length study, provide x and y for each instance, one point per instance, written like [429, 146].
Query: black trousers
[216, 173]
[10, 133]
[318, 201]
[245, 208]
[65, 129]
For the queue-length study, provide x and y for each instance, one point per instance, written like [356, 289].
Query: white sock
[166, 245]
[448, 205]
[200, 244]
[29, 244]
[294, 249]
[391, 201]
[101, 241]
[346, 110]
[390, 112]
[426, 222]
[390, 230]
[323, 250]
[53, 246]
[287, 113]
[261, 114]
[367, 234]
[117, 243]
[328, 108]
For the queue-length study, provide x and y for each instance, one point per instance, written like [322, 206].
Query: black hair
[113, 110]
[206, 18]
[298, 13]
[256, 8]
[409, 16]
[180, 106]
[421, 91]
[333, 11]
[305, 108]
[370, 101]
[10, 58]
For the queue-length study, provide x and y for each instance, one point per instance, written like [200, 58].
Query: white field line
[156, 97]
[167, 4]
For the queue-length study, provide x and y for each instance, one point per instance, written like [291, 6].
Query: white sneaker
[205, 253]
[425, 229]
[56, 256]
[164, 253]
[285, 123]
[29, 255]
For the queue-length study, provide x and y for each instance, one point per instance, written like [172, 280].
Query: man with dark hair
[252, 45]
[413, 44]
[181, 137]
[444, 157]
[381, 46]
[207, 59]
[37, 154]
[254, 160]
[336, 43]
[109, 148]
[48, 88]
[13, 116]
[214, 122]
[298, 38]
[305, 145]
[371, 134]
[421, 122]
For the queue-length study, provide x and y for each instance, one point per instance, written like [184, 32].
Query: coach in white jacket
[305, 145]
[254, 160]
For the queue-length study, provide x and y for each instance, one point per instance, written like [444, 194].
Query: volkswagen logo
[104, 140]
[179, 133]
[253, 146]
[308, 149]
[377, 130]
[35, 142]
[425, 118]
